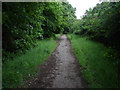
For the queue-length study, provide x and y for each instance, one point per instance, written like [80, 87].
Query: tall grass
[98, 70]
[25, 66]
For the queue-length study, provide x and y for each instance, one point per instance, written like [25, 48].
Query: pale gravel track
[67, 74]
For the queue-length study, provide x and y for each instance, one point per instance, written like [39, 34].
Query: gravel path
[61, 70]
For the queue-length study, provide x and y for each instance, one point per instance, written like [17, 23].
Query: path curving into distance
[61, 70]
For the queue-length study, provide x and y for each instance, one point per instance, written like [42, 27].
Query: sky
[82, 6]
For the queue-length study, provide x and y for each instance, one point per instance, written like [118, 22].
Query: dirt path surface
[61, 70]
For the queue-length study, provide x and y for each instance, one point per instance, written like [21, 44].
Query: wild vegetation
[99, 24]
[26, 66]
[29, 30]
[97, 68]
[24, 23]
[26, 26]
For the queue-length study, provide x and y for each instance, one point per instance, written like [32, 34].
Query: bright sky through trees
[82, 5]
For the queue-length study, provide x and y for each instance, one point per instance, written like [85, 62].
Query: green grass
[58, 35]
[25, 66]
[98, 70]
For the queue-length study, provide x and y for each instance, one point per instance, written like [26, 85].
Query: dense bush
[23, 23]
[101, 24]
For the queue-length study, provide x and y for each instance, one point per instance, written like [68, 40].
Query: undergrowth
[98, 67]
[25, 66]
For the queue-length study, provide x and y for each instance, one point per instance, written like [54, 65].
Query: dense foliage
[23, 23]
[101, 24]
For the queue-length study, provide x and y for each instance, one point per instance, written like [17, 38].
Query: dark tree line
[23, 23]
[101, 24]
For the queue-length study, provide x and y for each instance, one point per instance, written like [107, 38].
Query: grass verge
[25, 66]
[98, 70]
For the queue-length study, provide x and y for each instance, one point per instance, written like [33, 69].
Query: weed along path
[61, 70]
